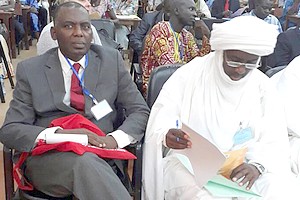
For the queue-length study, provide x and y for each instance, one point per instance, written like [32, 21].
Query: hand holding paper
[177, 139]
[206, 159]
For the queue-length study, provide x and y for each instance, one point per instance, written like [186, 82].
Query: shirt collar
[65, 66]
[253, 14]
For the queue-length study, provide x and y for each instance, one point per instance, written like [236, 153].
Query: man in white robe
[287, 82]
[220, 96]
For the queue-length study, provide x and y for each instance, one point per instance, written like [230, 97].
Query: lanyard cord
[177, 41]
[85, 91]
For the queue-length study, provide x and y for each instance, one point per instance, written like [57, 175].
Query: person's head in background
[263, 8]
[182, 13]
[72, 30]
[84, 3]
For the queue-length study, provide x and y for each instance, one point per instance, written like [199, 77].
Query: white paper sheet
[205, 158]
[57, 137]
[128, 17]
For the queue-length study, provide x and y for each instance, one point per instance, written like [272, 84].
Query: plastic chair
[157, 79]
[105, 24]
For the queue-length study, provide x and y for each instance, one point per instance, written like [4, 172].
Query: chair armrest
[137, 150]
[8, 173]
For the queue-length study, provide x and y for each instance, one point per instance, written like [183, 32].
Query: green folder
[219, 186]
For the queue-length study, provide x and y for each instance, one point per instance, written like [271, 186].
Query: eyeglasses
[235, 64]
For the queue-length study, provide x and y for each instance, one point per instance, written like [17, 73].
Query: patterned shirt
[163, 46]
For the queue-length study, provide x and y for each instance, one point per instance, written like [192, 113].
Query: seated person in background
[46, 42]
[45, 91]
[169, 42]
[223, 97]
[290, 7]
[262, 10]
[286, 49]
[124, 7]
[209, 3]
[103, 9]
[19, 29]
[35, 24]
[18, 23]
[224, 8]
[287, 82]
[137, 36]
[202, 9]
[43, 16]
[153, 4]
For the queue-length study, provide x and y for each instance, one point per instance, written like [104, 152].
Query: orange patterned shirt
[164, 46]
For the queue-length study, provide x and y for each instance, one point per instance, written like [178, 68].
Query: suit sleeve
[137, 36]
[282, 51]
[217, 9]
[129, 98]
[18, 131]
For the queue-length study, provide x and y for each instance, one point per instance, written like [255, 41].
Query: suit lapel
[55, 79]
[91, 76]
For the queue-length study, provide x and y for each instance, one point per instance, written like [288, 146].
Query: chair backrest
[157, 79]
[105, 24]
[106, 33]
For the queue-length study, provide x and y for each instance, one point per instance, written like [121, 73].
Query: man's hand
[107, 142]
[201, 27]
[227, 13]
[247, 173]
[177, 139]
[200, 14]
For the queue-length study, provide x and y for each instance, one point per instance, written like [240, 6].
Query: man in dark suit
[286, 49]
[44, 92]
[220, 10]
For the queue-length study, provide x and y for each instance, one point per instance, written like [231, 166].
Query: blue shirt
[270, 19]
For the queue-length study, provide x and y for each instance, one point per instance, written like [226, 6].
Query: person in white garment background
[46, 42]
[223, 97]
[287, 82]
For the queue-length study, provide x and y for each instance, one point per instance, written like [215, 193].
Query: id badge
[101, 109]
[243, 135]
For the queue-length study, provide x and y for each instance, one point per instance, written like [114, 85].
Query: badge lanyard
[85, 91]
[178, 43]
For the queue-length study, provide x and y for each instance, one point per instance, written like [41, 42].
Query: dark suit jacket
[217, 8]
[136, 38]
[39, 92]
[286, 49]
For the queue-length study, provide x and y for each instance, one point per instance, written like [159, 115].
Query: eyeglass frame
[235, 64]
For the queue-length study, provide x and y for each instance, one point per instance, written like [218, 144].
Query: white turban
[246, 33]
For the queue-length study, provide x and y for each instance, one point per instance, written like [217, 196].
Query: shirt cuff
[42, 135]
[122, 138]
